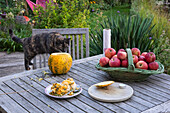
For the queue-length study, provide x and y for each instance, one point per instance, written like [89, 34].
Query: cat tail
[14, 38]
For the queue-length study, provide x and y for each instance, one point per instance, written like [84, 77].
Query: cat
[39, 44]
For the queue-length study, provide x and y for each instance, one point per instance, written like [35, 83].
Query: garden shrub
[126, 32]
[65, 14]
[20, 30]
[149, 8]
[14, 6]
[116, 2]
[97, 5]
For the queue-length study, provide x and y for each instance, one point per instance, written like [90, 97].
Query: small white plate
[48, 90]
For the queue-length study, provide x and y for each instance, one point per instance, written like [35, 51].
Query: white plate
[48, 90]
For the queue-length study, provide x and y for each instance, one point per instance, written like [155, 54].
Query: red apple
[150, 57]
[125, 63]
[135, 59]
[122, 55]
[114, 62]
[142, 65]
[144, 53]
[135, 51]
[115, 56]
[153, 66]
[122, 50]
[109, 52]
[104, 61]
[141, 58]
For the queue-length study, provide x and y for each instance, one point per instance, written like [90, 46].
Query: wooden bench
[77, 46]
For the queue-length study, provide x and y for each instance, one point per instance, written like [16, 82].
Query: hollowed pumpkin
[60, 63]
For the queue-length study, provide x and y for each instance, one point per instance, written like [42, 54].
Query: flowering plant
[94, 6]
[61, 15]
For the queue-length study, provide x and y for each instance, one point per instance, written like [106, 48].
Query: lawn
[97, 17]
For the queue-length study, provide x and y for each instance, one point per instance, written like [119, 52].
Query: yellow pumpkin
[60, 63]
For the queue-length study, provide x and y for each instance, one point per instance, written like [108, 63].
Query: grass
[161, 31]
[97, 17]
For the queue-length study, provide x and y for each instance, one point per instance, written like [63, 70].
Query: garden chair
[78, 46]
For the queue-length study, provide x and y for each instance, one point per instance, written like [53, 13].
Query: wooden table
[150, 96]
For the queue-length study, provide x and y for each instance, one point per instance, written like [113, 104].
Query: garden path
[11, 63]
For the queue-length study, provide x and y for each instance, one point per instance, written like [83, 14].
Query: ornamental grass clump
[126, 32]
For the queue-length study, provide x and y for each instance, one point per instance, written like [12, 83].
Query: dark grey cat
[41, 43]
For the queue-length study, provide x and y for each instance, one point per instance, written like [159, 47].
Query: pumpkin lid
[60, 54]
[104, 84]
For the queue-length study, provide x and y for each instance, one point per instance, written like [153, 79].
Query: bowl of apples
[129, 64]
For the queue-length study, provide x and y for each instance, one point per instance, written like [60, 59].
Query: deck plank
[41, 89]
[41, 96]
[127, 107]
[91, 75]
[157, 87]
[163, 76]
[85, 87]
[144, 91]
[143, 86]
[92, 82]
[162, 108]
[140, 99]
[85, 93]
[74, 101]
[19, 99]
[138, 84]
[32, 99]
[90, 70]
[147, 98]
[166, 86]
[93, 69]
[160, 80]
[150, 99]
[6, 101]
[137, 105]
[153, 79]
[83, 74]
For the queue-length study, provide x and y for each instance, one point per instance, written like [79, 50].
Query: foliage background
[95, 14]
[161, 15]
[62, 14]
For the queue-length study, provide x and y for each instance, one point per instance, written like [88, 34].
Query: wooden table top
[23, 92]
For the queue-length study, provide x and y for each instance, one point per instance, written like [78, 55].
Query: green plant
[149, 9]
[98, 5]
[97, 18]
[161, 31]
[94, 6]
[20, 30]
[162, 51]
[116, 2]
[14, 6]
[126, 32]
[65, 14]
